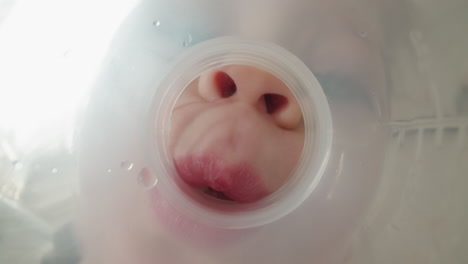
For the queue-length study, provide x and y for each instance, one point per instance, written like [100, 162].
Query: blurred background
[51, 51]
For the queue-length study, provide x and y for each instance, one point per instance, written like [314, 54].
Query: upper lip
[239, 182]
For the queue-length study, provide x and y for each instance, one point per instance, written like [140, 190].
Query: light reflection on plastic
[50, 52]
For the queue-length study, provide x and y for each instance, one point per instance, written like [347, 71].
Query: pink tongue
[239, 183]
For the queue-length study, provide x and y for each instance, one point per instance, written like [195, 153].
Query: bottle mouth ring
[317, 139]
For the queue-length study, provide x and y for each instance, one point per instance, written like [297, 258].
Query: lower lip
[239, 182]
[194, 232]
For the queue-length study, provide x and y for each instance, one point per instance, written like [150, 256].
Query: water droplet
[363, 34]
[188, 41]
[156, 23]
[146, 179]
[54, 170]
[126, 165]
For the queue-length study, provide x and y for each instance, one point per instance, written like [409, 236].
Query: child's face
[232, 123]
[236, 133]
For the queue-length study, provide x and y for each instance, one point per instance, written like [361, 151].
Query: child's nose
[260, 90]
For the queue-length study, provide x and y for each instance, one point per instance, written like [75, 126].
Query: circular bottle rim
[317, 122]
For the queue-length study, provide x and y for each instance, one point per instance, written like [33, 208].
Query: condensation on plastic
[394, 186]
[141, 54]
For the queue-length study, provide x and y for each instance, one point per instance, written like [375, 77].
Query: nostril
[274, 102]
[226, 85]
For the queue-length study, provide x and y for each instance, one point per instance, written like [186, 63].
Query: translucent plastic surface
[77, 178]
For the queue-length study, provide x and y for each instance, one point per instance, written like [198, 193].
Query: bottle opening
[236, 133]
[241, 133]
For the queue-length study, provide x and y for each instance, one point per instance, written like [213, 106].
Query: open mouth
[215, 194]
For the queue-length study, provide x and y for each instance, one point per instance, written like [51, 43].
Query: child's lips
[240, 182]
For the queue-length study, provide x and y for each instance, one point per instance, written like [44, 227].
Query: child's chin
[189, 231]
